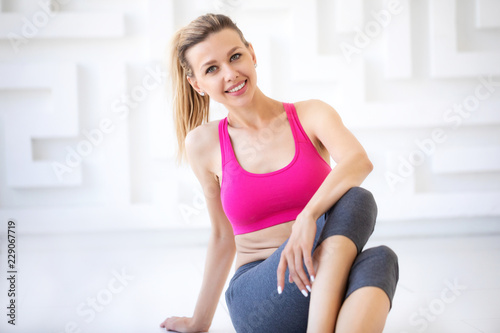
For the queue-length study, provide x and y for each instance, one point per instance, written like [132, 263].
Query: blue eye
[210, 69]
[235, 56]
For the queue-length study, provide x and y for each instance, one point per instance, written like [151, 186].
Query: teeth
[238, 87]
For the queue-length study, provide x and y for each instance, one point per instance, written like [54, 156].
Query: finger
[164, 324]
[300, 277]
[291, 268]
[169, 323]
[174, 324]
[309, 265]
[281, 273]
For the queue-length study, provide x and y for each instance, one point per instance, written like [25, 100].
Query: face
[224, 68]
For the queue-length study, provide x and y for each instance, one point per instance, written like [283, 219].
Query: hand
[181, 324]
[297, 252]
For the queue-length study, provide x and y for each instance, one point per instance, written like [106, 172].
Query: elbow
[363, 167]
[224, 240]
[368, 165]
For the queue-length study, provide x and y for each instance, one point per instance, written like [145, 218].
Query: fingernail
[304, 293]
[279, 290]
[312, 278]
[308, 288]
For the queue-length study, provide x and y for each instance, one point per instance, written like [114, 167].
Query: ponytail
[190, 108]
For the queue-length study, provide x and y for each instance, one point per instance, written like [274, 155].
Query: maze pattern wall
[86, 127]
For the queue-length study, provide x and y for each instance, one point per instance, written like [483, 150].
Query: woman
[273, 198]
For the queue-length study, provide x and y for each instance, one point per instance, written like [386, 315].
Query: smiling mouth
[239, 87]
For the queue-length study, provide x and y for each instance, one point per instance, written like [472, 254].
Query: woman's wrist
[307, 215]
[200, 324]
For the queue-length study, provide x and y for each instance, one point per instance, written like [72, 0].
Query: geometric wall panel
[308, 65]
[161, 26]
[47, 24]
[487, 14]
[467, 160]
[446, 60]
[348, 13]
[24, 125]
[91, 58]
[398, 60]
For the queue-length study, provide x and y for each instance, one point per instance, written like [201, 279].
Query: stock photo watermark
[197, 206]
[371, 30]
[87, 311]
[429, 313]
[30, 28]
[226, 5]
[11, 272]
[455, 116]
[96, 136]
[265, 310]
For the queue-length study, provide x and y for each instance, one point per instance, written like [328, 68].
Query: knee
[359, 204]
[386, 253]
[357, 197]
[361, 196]
[388, 259]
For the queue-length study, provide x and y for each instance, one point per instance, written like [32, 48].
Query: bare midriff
[260, 244]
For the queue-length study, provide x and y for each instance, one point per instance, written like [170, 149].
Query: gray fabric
[253, 301]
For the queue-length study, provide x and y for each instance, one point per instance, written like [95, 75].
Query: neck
[256, 114]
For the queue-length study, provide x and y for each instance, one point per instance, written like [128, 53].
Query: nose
[230, 73]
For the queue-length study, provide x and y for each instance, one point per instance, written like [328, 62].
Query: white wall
[83, 85]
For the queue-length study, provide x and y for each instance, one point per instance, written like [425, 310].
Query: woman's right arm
[221, 246]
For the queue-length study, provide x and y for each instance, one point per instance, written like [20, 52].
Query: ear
[194, 83]
[252, 53]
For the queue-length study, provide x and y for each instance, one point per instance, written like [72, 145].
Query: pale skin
[219, 64]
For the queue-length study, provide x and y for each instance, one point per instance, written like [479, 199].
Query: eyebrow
[213, 61]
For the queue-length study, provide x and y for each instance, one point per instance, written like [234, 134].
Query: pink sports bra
[254, 201]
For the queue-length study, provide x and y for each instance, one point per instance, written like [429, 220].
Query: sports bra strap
[223, 141]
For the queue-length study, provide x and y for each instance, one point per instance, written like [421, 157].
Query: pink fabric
[256, 201]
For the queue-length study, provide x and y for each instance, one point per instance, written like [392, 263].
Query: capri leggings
[253, 301]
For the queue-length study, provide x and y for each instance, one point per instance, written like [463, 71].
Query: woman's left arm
[352, 167]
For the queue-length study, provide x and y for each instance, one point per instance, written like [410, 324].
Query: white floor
[131, 282]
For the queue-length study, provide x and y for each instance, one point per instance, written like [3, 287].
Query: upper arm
[200, 144]
[327, 127]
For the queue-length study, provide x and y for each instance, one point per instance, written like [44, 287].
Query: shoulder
[315, 111]
[202, 143]
[314, 106]
[203, 135]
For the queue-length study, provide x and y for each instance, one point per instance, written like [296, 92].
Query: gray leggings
[253, 301]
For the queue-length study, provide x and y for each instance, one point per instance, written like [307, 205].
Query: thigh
[253, 300]
[255, 305]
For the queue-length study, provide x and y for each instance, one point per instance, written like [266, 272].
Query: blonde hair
[190, 108]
